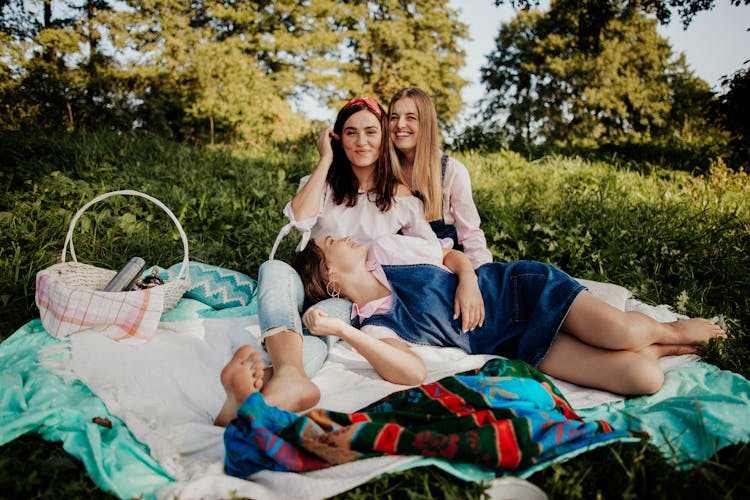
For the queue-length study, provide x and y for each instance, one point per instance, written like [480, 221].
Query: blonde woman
[441, 182]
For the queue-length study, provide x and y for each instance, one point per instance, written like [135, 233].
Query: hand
[468, 304]
[319, 323]
[324, 145]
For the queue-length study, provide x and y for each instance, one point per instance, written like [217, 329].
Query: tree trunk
[71, 126]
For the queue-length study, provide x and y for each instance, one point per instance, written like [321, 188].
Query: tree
[237, 99]
[518, 83]
[400, 43]
[735, 103]
[544, 88]
[691, 103]
[733, 111]
[220, 69]
[595, 14]
[56, 59]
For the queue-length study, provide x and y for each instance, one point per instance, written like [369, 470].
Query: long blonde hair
[426, 174]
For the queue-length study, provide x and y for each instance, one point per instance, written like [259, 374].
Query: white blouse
[364, 221]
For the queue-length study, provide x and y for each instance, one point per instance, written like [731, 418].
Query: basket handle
[74, 221]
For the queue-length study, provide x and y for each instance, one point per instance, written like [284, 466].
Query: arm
[391, 358]
[414, 222]
[306, 203]
[462, 208]
[468, 302]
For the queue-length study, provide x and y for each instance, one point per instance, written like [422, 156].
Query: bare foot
[695, 331]
[242, 376]
[291, 390]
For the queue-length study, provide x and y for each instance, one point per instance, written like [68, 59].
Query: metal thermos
[126, 277]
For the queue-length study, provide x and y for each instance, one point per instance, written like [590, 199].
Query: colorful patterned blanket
[505, 416]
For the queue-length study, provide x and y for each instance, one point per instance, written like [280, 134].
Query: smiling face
[361, 137]
[343, 254]
[404, 125]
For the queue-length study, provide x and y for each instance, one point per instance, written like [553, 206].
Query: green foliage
[594, 19]
[732, 111]
[545, 86]
[670, 237]
[420, 483]
[734, 106]
[410, 43]
[659, 233]
[229, 205]
[226, 107]
[638, 470]
[695, 155]
[46, 472]
[217, 72]
[57, 73]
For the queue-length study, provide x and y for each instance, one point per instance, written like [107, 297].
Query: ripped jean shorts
[280, 302]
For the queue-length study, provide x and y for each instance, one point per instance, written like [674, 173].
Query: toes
[243, 354]
[720, 321]
[718, 330]
[252, 359]
[246, 355]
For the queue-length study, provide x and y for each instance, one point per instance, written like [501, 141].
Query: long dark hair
[341, 177]
[310, 264]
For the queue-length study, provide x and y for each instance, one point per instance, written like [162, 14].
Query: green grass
[670, 237]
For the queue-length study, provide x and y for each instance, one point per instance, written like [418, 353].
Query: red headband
[367, 101]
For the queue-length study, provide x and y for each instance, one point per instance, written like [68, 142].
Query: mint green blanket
[33, 399]
[699, 410]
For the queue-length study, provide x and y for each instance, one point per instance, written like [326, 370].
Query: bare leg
[597, 323]
[657, 351]
[242, 376]
[620, 371]
[289, 388]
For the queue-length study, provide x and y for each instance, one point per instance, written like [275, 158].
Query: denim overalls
[525, 304]
[441, 229]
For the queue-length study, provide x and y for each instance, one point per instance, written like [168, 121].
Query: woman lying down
[408, 291]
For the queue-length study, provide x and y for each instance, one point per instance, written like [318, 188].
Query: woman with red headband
[352, 191]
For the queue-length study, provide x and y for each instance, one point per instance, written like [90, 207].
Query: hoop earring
[331, 289]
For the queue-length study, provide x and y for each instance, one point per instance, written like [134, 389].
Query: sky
[717, 43]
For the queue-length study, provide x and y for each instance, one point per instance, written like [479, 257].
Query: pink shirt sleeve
[459, 209]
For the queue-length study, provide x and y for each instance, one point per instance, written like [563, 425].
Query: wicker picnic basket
[59, 284]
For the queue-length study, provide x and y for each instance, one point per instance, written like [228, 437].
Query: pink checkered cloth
[66, 309]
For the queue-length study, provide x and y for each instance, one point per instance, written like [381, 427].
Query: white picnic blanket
[167, 391]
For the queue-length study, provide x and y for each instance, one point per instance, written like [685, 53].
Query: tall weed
[670, 237]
